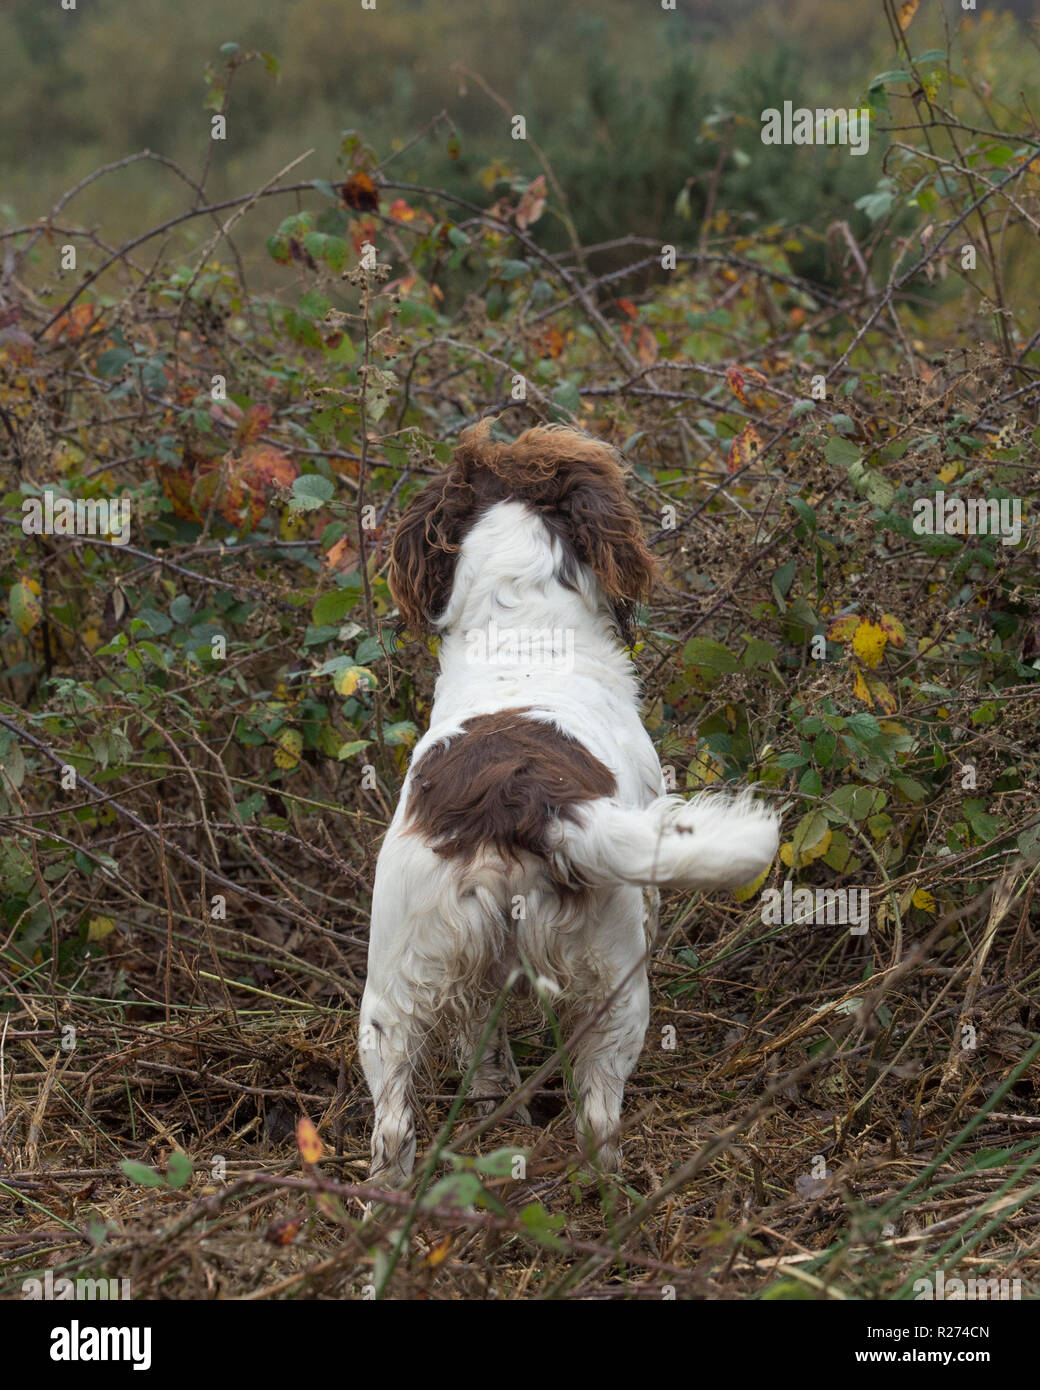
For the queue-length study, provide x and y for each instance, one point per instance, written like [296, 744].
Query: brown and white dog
[533, 830]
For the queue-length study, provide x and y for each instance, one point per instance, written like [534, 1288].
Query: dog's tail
[711, 841]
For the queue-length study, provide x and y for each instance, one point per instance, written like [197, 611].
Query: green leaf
[498, 1164]
[707, 655]
[567, 397]
[310, 491]
[911, 789]
[894, 75]
[542, 1227]
[141, 1174]
[333, 607]
[112, 362]
[824, 748]
[179, 1169]
[841, 452]
[404, 731]
[758, 653]
[456, 1190]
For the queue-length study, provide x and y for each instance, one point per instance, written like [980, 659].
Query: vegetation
[203, 727]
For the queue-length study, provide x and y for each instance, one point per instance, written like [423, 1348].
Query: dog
[533, 832]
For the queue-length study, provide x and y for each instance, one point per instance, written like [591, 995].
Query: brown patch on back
[500, 783]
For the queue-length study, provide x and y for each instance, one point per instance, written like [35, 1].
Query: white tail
[711, 841]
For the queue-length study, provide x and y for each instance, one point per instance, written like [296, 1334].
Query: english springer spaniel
[533, 831]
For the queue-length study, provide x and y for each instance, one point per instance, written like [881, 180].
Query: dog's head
[575, 483]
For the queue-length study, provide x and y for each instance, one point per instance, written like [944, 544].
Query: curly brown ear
[422, 557]
[606, 532]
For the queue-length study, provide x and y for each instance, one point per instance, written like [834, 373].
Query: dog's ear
[606, 534]
[423, 554]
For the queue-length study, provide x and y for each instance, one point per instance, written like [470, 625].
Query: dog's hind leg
[606, 1054]
[496, 1075]
[389, 1043]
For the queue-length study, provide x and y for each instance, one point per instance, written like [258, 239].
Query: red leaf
[744, 449]
[359, 193]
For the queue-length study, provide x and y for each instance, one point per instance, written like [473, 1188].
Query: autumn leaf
[842, 629]
[868, 643]
[439, 1253]
[883, 697]
[627, 307]
[252, 424]
[307, 1141]
[744, 449]
[26, 609]
[738, 377]
[283, 1231]
[532, 203]
[924, 901]
[874, 693]
[401, 211]
[76, 324]
[347, 680]
[749, 890]
[100, 927]
[646, 346]
[860, 689]
[550, 342]
[340, 556]
[290, 746]
[359, 193]
[894, 629]
[907, 10]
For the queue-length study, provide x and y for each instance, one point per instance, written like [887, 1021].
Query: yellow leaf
[439, 1253]
[787, 853]
[907, 10]
[26, 609]
[100, 927]
[868, 643]
[859, 689]
[750, 889]
[290, 746]
[949, 471]
[704, 769]
[812, 837]
[307, 1141]
[924, 901]
[883, 697]
[894, 629]
[819, 849]
[349, 678]
[843, 629]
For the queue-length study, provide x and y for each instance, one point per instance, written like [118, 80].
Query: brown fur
[500, 783]
[575, 482]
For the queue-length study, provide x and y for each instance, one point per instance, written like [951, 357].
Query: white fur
[445, 938]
